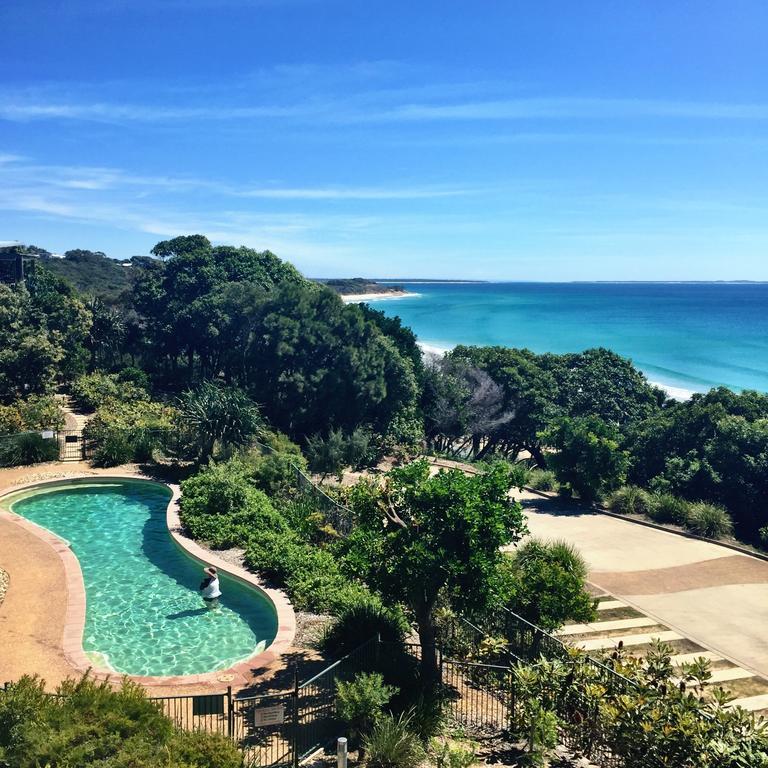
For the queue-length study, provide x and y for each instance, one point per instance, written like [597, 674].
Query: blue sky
[511, 140]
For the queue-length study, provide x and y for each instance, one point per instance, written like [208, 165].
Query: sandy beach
[357, 298]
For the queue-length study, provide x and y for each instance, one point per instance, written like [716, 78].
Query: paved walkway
[703, 591]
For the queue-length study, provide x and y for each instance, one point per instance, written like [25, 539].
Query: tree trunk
[538, 456]
[430, 672]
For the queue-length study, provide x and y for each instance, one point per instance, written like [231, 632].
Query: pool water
[144, 614]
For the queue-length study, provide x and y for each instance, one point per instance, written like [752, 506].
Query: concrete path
[702, 591]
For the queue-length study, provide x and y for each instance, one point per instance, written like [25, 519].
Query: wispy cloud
[358, 109]
[15, 171]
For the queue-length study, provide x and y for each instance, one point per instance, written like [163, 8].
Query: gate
[72, 445]
[264, 728]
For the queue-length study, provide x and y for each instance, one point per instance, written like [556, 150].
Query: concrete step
[609, 605]
[606, 626]
[687, 658]
[604, 643]
[724, 675]
[751, 703]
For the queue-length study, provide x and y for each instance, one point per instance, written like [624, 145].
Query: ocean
[686, 337]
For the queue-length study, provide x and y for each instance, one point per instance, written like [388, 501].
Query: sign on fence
[263, 716]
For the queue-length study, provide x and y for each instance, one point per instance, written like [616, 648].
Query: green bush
[542, 480]
[360, 702]
[89, 723]
[668, 508]
[630, 500]
[393, 744]
[710, 520]
[361, 621]
[31, 414]
[220, 506]
[94, 390]
[446, 756]
[763, 536]
[124, 432]
[549, 584]
[310, 575]
[113, 450]
[27, 448]
[275, 472]
[520, 475]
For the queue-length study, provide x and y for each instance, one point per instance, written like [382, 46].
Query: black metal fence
[23, 448]
[275, 729]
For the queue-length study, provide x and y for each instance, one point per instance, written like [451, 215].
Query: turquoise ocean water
[688, 337]
[144, 614]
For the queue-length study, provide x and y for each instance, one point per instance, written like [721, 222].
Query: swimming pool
[144, 615]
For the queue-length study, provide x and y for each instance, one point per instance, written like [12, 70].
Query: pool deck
[42, 616]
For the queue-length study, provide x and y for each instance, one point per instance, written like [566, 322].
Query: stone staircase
[617, 622]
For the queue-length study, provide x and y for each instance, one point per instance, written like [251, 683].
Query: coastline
[359, 298]
[432, 352]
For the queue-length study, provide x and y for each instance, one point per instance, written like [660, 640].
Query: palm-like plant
[213, 413]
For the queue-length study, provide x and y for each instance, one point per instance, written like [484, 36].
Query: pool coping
[238, 675]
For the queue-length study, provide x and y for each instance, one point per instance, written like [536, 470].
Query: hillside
[356, 285]
[94, 273]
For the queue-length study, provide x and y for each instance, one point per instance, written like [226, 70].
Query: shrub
[393, 744]
[630, 500]
[27, 448]
[122, 432]
[113, 450]
[359, 622]
[710, 520]
[520, 475]
[667, 508]
[310, 575]
[88, 723]
[763, 536]
[220, 506]
[549, 583]
[588, 455]
[275, 472]
[542, 480]
[446, 756]
[360, 702]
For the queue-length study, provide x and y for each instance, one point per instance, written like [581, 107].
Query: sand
[358, 298]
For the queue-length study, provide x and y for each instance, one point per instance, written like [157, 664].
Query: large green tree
[423, 538]
[587, 455]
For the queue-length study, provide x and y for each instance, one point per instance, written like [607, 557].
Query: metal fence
[339, 516]
[275, 729]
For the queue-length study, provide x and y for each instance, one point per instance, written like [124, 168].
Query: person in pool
[209, 587]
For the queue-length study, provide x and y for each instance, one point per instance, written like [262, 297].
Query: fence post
[341, 752]
[295, 739]
[230, 714]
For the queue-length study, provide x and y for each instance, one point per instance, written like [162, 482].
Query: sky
[509, 140]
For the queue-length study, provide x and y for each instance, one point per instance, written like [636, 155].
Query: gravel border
[4, 581]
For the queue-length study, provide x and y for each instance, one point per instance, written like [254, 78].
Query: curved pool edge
[74, 622]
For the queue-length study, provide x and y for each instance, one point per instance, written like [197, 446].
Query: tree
[601, 383]
[29, 354]
[588, 456]
[105, 335]
[317, 364]
[212, 413]
[428, 537]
